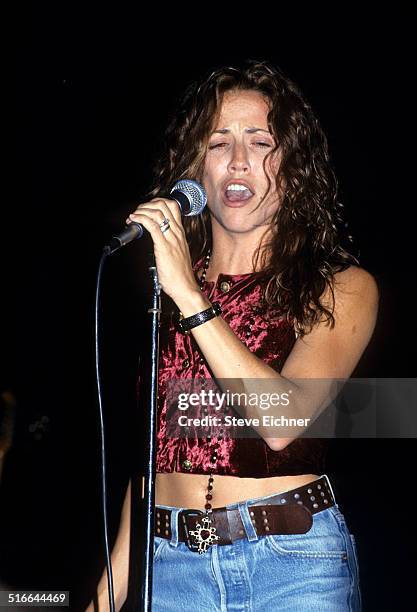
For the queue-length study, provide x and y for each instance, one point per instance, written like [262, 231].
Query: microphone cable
[191, 199]
[105, 254]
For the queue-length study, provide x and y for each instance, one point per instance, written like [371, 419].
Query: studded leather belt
[285, 513]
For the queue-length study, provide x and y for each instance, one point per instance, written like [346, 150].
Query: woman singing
[281, 300]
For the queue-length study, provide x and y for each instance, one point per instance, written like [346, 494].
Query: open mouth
[237, 193]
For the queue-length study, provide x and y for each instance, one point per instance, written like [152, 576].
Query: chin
[237, 223]
[235, 226]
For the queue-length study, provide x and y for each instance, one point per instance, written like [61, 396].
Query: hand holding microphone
[189, 196]
[161, 217]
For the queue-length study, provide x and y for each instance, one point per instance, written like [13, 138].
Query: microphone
[191, 199]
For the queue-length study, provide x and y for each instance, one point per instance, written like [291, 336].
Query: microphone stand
[148, 491]
[191, 199]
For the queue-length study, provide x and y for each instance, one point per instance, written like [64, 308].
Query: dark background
[93, 90]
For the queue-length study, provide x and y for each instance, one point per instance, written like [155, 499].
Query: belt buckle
[189, 512]
[203, 536]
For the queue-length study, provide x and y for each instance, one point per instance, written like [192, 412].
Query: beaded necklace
[209, 495]
[205, 533]
[205, 268]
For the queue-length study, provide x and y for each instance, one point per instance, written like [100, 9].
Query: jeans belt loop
[247, 521]
[174, 526]
[330, 487]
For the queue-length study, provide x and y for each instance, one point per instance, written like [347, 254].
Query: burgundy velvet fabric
[268, 335]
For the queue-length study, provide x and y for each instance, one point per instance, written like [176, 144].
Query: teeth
[236, 187]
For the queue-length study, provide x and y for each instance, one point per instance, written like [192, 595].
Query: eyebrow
[247, 130]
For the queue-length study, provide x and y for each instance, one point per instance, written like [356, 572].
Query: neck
[233, 254]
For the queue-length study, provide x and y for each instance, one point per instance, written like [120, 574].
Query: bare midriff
[189, 490]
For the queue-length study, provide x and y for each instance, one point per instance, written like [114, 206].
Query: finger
[152, 211]
[170, 206]
[158, 216]
[153, 227]
[170, 230]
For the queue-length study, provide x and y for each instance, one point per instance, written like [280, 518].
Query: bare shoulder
[356, 278]
[355, 305]
[353, 302]
[355, 287]
[333, 350]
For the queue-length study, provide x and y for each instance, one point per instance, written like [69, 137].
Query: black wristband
[201, 317]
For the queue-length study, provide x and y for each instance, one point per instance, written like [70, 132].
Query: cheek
[272, 165]
[210, 175]
[208, 186]
[207, 171]
[272, 169]
[216, 163]
[207, 179]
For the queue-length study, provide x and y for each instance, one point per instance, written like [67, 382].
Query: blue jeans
[312, 572]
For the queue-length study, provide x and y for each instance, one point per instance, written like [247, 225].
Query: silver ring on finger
[164, 223]
[164, 226]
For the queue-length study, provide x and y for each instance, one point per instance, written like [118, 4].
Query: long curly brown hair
[309, 223]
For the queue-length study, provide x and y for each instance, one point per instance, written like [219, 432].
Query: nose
[239, 159]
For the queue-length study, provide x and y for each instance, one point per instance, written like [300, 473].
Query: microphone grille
[195, 194]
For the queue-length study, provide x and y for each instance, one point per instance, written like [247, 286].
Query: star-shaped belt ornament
[204, 535]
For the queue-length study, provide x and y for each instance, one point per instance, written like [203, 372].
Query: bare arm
[323, 355]
[120, 564]
[315, 361]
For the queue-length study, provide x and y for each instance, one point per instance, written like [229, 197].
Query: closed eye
[224, 144]
[216, 146]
